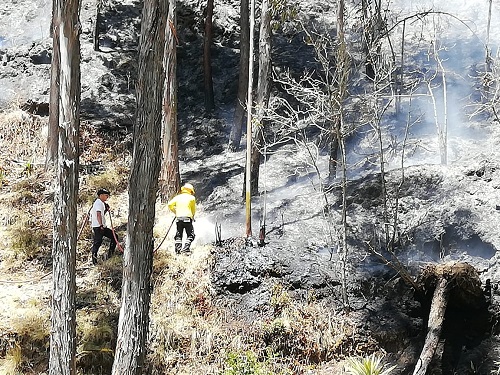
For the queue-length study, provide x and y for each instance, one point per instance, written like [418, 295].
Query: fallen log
[456, 282]
[436, 318]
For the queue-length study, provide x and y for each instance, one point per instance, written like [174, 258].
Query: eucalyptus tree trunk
[263, 92]
[170, 175]
[239, 112]
[63, 317]
[207, 58]
[248, 189]
[52, 134]
[143, 185]
[338, 143]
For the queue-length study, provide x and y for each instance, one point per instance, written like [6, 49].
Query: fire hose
[85, 218]
[114, 234]
[168, 230]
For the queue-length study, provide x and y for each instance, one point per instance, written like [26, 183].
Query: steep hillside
[300, 304]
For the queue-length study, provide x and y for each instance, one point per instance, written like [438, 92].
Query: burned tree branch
[434, 327]
[456, 283]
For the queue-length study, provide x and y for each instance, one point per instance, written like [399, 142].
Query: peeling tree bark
[143, 186]
[52, 134]
[263, 92]
[434, 327]
[66, 135]
[170, 179]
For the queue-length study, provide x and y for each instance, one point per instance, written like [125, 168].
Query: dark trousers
[184, 224]
[99, 234]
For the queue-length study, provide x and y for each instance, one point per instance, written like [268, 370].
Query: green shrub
[244, 363]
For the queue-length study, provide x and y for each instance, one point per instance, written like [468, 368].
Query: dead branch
[436, 318]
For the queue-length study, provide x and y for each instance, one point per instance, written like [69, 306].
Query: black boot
[178, 248]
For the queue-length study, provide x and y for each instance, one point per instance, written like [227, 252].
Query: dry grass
[96, 332]
[309, 332]
[23, 138]
[191, 333]
[26, 337]
[114, 178]
[11, 363]
[183, 317]
[27, 209]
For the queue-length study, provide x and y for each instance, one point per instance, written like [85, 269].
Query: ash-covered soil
[445, 213]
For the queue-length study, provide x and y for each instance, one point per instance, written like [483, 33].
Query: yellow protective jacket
[183, 205]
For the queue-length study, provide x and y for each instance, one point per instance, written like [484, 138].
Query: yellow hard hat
[188, 188]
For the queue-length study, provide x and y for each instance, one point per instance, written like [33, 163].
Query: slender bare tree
[170, 174]
[341, 78]
[63, 318]
[488, 27]
[97, 22]
[248, 189]
[52, 134]
[263, 92]
[143, 186]
[239, 112]
[207, 58]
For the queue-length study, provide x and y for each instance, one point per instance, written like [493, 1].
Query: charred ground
[447, 214]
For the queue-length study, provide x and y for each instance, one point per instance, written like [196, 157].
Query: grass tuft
[96, 334]
[30, 238]
[371, 365]
[114, 178]
[11, 363]
[28, 333]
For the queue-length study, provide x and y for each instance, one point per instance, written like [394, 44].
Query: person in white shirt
[98, 222]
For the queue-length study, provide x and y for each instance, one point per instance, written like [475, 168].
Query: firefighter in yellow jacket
[183, 205]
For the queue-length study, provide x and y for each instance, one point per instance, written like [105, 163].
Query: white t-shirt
[98, 206]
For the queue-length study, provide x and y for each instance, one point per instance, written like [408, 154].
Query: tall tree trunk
[263, 92]
[248, 190]
[63, 317]
[207, 58]
[342, 74]
[52, 134]
[170, 175]
[488, 59]
[143, 185]
[97, 22]
[239, 112]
